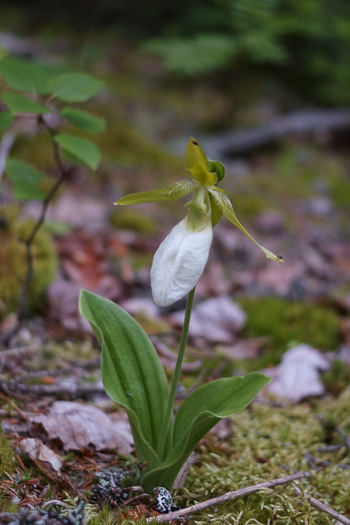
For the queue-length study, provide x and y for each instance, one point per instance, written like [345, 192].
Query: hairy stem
[169, 409]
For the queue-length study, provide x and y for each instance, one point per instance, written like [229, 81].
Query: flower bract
[180, 260]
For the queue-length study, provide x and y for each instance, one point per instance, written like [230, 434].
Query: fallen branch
[300, 123]
[324, 508]
[229, 496]
[19, 351]
[13, 388]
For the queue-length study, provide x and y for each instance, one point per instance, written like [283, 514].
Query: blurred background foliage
[305, 45]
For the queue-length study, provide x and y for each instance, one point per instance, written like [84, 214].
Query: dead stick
[324, 508]
[28, 242]
[13, 388]
[14, 406]
[20, 350]
[229, 496]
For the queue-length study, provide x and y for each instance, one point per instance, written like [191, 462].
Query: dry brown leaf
[79, 426]
[298, 375]
[48, 462]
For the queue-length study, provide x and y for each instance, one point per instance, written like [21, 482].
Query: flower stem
[169, 409]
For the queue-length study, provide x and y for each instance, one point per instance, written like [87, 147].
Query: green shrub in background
[306, 43]
[47, 96]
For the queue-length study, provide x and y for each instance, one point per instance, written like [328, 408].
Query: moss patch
[288, 321]
[133, 219]
[13, 261]
[268, 443]
[7, 456]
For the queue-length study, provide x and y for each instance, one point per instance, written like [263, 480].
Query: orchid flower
[181, 258]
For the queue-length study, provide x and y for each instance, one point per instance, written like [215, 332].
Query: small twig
[14, 406]
[331, 448]
[345, 437]
[13, 388]
[324, 508]
[229, 496]
[315, 462]
[20, 350]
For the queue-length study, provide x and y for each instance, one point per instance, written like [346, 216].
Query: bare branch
[229, 496]
[28, 242]
[324, 508]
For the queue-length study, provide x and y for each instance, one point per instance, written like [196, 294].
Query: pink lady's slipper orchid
[180, 259]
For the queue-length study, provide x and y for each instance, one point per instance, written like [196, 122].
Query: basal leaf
[83, 149]
[6, 119]
[84, 120]
[197, 415]
[25, 179]
[25, 75]
[19, 104]
[75, 87]
[131, 370]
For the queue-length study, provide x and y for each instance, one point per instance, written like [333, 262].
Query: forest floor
[294, 197]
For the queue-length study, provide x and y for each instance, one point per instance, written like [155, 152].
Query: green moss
[248, 206]
[269, 443]
[36, 150]
[69, 350]
[339, 189]
[13, 262]
[125, 145]
[132, 219]
[288, 321]
[7, 456]
[337, 377]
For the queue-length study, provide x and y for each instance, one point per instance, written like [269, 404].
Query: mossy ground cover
[288, 323]
[270, 442]
[267, 441]
[13, 257]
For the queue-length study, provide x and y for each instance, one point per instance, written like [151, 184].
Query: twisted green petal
[171, 193]
[197, 164]
[225, 204]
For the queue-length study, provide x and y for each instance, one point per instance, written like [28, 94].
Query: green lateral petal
[197, 164]
[171, 193]
[216, 211]
[225, 204]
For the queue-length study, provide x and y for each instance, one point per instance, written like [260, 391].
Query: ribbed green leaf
[20, 104]
[197, 415]
[25, 179]
[176, 191]
[224, 203]
[131, 371]
[75, 87]
[6, 119]
[83, 149]
[26, 76]
[84, 120]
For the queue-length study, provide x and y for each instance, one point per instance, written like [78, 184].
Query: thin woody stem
[63, 173]
[169, 409]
